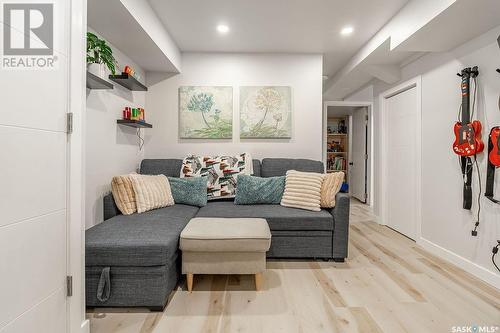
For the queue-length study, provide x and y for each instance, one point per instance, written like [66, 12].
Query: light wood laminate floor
[388, 284]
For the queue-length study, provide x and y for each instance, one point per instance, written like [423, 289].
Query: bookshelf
[337, 145]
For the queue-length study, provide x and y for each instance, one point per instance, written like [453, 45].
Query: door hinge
[366, 156]
[69, 123]
[69, 286]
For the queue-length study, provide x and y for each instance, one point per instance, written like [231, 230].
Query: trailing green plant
[98, 52]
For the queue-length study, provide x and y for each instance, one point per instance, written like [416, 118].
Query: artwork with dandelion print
[265, 112]
[205, 112]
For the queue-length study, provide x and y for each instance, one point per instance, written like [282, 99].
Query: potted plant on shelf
[99, 54]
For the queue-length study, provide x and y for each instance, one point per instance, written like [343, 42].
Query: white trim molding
[463, 263]
[75, 187]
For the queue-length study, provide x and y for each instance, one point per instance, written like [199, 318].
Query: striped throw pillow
[302, 190]
[330, 187]
[151, 192]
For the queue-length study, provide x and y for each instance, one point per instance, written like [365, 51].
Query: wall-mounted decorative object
[205, 112]
[265, 112]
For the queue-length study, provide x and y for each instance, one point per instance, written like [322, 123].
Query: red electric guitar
[493, 163]
[468, 138]
[467, 133]
[494, 155]
[493, 158]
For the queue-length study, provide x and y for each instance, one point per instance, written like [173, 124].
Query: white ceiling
[287, 26]
[438, 28]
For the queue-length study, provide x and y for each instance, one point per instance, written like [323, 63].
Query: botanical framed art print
[265, 112]
[205, 112]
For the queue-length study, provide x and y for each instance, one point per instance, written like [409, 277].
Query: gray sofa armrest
[110, 208]
[341, 225]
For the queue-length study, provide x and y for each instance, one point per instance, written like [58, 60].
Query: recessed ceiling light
[222, 28]
[346, 31]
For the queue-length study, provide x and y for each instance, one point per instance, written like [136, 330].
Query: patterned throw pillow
[221, 172]
[332, 183]
[256, 190]
[302, 190]
[151, 192]
[123, 193]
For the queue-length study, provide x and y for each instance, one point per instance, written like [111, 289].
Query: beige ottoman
[225, 246]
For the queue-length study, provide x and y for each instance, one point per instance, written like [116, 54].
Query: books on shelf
[336, 163]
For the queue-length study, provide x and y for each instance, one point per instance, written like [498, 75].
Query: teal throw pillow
[189, 191]
[257, 190]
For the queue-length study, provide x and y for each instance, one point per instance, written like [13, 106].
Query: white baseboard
[480, 272]
[85, 326]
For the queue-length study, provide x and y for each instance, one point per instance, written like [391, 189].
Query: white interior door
[357, 167]
[401, 159]
[33, 227]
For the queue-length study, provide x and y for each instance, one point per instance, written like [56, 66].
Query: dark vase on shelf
[342, 128]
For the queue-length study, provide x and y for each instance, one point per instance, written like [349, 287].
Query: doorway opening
[347, 145]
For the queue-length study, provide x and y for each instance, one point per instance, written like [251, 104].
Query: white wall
[110, 149]
[302, 72]
[446, 226]
[363, 95]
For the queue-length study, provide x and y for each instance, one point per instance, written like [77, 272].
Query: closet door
[401, 158]
[358, 158]
[33, 195]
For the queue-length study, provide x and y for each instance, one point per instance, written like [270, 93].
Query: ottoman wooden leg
[189, 278]
[258, 281]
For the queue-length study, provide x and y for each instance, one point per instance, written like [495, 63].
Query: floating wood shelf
[128, 82]
[95, 82]
[337, 134]
[337, 152]
[134, 123]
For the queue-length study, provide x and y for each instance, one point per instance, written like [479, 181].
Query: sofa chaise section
[141, 253]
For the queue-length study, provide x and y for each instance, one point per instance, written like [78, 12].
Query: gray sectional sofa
[133, 261]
